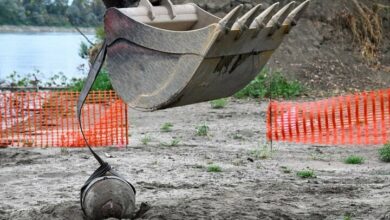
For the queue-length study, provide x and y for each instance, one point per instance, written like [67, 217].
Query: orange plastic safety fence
[360, 119]
[48, 119]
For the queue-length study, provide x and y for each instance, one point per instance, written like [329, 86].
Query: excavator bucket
[172, 55]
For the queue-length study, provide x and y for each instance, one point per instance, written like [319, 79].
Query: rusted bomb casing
[173, 55]
[108, 197]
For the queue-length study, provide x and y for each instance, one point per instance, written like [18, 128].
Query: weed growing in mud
[262, 153]
[218, 104]
[198, 166]
[271, 84]
[384, 153]
[237, 136]
[285, 169]
[166, 127]
[202, 130]
[173, 143]
[354, 159]
[347, 217]
[146, 140]
[214, 168]
[305, 174]
[64, 151]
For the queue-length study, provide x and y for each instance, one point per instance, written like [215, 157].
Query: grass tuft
[354, 159]
[214, 168]
[384, 153]
[173, 143]
[202, 130]
[146, 140]
[261, 153]
[305, 174]
[218, 104]
[166, 127]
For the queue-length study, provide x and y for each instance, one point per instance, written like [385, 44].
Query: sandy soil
[45, 183]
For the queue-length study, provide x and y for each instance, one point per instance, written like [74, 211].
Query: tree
[12, 12]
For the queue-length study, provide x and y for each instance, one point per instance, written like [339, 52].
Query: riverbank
[40, 29]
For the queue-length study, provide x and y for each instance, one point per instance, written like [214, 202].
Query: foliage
[101, 83]
[261, 153]
[83, 50]
[354, 159]
[384, 153]
[167, 127]
[285, 169]
[270, 84]
[173, 143]
[51, 12]
[305, 174]
[218, 104]
[214, 168]
[146, 140]
[202, 130]
[100, 34]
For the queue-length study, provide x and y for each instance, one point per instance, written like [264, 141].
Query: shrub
[354, 159]
[218, 104]
[213, 168]
[102, 83]
[166, 127]
[261, 153]
[384, 153]
[202, 130]
[305, 174]
[270, 84]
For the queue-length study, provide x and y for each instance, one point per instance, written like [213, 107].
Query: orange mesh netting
[48, 119]
[362, 119]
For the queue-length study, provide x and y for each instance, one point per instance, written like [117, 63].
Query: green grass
[166, 127]
[202, 130]
[271, 84]
[218, 104]
[173, 143]
[347, 217]
[285, 169]
[102, 83]
[146, 140]
[384, 153]
[213, 168]
[305, 174]
[354, 159]
[261, 153]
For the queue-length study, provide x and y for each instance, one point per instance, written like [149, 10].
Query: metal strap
[93, 72]
[104, 166]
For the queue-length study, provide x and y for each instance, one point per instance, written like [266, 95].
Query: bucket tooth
[246, 20]
[296, 14]
[149, 7]
[228, 21]
[277, 20]
[262, 20]
[169, 5]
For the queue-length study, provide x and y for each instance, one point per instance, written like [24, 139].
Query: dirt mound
[339, 46]
[331, 52]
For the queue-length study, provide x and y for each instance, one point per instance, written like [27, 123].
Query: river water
[48, 53]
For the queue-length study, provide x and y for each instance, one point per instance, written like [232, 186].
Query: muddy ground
[45, 183]
[322, 55]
